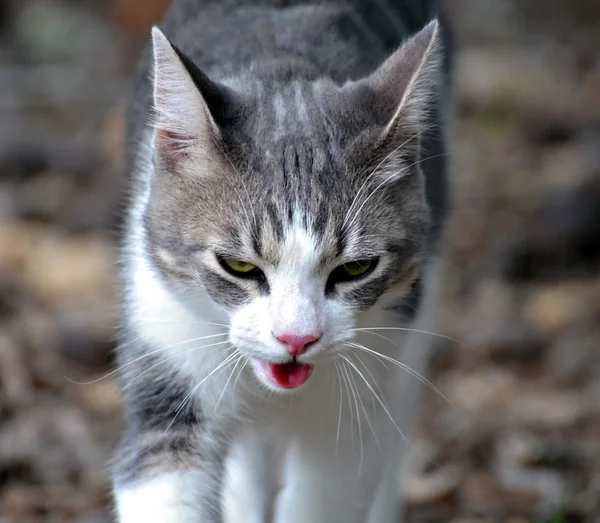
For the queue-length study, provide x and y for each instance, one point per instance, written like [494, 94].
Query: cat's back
[341, 38]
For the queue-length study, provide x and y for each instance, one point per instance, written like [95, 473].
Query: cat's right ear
[401, 96]
[182, 119]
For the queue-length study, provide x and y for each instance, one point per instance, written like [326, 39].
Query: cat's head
[292, 202]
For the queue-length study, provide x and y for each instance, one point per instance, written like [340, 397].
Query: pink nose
[297, 345]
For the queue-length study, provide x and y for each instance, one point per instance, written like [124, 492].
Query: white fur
[169, 498]
[250, 484]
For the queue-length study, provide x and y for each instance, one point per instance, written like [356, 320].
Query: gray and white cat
[281, 255]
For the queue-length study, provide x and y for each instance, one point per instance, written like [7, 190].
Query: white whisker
[145, 355]
[238, 376]
[408, 329]
[358, 422]
[339, 423]
[225, 363]
[403, 366]
[347, 389]
[379, 400]
[228, 380]
[365, 410]
[359, 359]
[168, 358]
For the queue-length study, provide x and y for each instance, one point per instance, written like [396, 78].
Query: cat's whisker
[347, 393]
[352, 386]
[408, 329]
[379, 336]
[357, 399]
[144, 356]
[339, 423]
[352, 345]
[404, 302]
[241, 358]
[169, 358]
[363, 405]
[405, 367]
[118, 261]
[359, 359]
[380, 401]
[330, 380]
[224, 364]
[244, 364]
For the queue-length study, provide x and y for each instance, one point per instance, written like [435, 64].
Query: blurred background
[521, 442]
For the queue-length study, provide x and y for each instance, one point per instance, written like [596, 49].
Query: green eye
[238, 265]
[356, 268]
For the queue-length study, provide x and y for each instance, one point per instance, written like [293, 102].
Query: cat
[285, 226]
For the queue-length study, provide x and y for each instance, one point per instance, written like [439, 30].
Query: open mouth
[289, 375]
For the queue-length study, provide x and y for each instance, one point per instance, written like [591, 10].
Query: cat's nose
[297, 345]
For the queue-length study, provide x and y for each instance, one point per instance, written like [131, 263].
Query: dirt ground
[519, 440]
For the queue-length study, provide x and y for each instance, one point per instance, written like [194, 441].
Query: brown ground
[521, 438]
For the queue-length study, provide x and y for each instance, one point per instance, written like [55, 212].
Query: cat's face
[293, 205]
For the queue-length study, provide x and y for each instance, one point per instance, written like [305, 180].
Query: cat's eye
[238, 266]
[356, 268]
[243, 269]
[350, 271]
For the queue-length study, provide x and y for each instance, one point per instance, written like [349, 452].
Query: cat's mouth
[288, 375]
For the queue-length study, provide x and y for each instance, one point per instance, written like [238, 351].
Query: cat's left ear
[182, 94]
[405, 86]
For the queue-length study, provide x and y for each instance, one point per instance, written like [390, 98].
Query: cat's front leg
[168, 478]
[328, 480]
[169, 466]
[164, 497]
[249, 486]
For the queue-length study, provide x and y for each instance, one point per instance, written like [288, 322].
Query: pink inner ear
[172, 147]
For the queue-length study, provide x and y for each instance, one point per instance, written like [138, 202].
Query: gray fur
[297, 145]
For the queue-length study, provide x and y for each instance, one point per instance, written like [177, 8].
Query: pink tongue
[290, 375]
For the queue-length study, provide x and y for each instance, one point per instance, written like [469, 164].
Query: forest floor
[520, 439]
